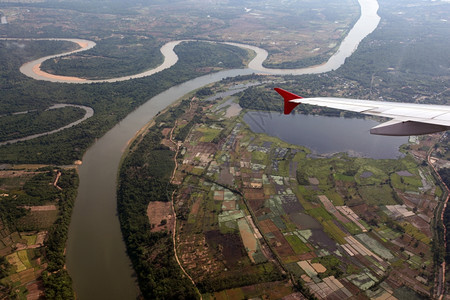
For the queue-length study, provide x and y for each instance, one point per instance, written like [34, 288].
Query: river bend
[96, 257]
[365, 25]
[89, 112]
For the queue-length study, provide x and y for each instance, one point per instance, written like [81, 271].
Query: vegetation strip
[441, 216]
[167, 277]
[174, 232]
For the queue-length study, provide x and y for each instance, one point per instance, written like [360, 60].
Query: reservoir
[327, 135]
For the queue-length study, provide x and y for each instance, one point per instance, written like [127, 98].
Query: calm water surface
[324, 135]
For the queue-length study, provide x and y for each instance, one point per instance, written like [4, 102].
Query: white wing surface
[407, 118]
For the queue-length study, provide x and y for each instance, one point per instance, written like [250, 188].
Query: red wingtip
[288, 106]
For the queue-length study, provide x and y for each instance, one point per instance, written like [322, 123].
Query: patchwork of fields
[35, 203]
[257, 212]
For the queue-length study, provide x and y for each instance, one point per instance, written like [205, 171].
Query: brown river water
[96, 257]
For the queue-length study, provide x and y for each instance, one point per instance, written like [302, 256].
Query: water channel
[89, 113]
[96, 257]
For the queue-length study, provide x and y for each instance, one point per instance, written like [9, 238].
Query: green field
[334, 232]
[297, 245]
[415, 233]
[377, 195]
[208, 134]
[320, 214]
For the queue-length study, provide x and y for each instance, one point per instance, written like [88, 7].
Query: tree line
[110, 101]
[144, 177]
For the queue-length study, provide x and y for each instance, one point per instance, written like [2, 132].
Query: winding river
[89, 112]
[366, 24]
[33, 68]
[96, 257]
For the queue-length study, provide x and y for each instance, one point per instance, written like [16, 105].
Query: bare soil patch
[42, 208]
[267, 226]
[256, 204]
[254, 194]
[196, 206]
[157, 212]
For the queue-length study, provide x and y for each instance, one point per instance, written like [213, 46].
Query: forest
[303, 63]
[25, 124]
[145, 176]
[58, 284]
[394, 63]
[110, 101]
[111, 57]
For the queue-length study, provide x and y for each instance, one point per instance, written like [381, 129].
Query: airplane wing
[407, 118]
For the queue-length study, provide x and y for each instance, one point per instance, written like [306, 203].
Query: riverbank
[365, 25]
[95, 250]
[89, 113]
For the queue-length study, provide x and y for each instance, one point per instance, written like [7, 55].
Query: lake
[326, 135]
